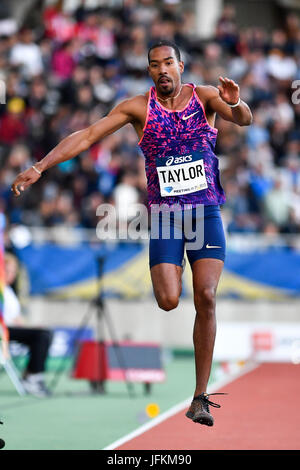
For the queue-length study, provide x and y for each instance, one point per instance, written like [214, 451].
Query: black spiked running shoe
[199, 409]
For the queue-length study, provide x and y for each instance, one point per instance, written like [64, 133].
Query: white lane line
[180, 406]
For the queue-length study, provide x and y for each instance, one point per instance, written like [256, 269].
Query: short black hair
[165, 42]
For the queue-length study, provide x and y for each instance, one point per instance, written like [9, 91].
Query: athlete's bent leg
[206, 275]
[167, 286]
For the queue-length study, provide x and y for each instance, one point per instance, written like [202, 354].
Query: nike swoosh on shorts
[212, 246]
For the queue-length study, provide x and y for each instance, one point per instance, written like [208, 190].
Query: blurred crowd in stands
[71, 68]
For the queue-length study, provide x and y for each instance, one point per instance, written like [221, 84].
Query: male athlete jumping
[174, 123]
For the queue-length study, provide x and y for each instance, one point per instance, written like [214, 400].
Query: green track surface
[76, 419]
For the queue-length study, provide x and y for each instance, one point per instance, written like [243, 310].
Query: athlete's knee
[168, 302]
[205, 300]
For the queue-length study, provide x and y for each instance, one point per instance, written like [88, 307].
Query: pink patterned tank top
[178, 145]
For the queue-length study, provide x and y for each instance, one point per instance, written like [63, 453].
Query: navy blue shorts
[199, 231]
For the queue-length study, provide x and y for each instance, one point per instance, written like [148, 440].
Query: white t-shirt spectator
[281, 67]
[29, 56]
[12, 307]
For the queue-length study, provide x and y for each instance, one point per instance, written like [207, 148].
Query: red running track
[260, 412]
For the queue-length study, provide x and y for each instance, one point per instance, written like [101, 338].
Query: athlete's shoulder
[134, 102]
[206, 92]
[132, 106]
[141, 99]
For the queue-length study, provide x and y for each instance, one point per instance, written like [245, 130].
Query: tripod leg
[12, 373]
[97, 386]
[118, 349]
[61, 368]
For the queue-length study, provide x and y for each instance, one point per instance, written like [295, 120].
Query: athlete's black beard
[166, 92]
[164, 89]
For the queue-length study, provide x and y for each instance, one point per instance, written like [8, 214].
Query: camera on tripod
[100, 360]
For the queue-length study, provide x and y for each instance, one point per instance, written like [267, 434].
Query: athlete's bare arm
[132, 110]
[217, 99]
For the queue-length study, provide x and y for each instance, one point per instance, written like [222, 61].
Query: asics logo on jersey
[189, 116]
[181, 159]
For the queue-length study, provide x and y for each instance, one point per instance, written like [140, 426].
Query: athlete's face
[165, 69]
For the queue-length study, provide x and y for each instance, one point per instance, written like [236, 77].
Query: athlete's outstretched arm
[228, 93]
[76, 143]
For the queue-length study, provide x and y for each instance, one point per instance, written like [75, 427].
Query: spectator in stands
[276, 204]
[27, 54]
[38, 340]
[12, 125]
[63, 62]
